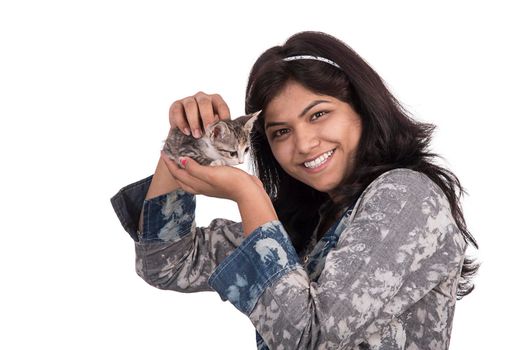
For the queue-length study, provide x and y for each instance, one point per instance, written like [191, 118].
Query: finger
[192, 116]
[182, 175]
[220, 107]
[205, 107]
[170, 164]
[177, 118]
[196, 185]
[187, 187]
[196, 170]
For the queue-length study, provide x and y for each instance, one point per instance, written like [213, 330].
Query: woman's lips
[322, 166]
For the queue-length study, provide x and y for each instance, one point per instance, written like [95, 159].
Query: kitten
[225, 142]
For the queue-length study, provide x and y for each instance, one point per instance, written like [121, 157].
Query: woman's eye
[318, 115]
[280, 132]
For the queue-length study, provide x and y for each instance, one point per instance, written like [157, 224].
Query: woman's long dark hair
[390, 137]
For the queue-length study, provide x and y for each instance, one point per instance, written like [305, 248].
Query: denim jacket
[384, 276]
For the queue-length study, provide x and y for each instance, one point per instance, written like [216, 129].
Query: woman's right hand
[193, 113]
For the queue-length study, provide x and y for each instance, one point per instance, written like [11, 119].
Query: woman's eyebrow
[308, 107]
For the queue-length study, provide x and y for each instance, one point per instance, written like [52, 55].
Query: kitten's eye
[233, 154]
[247, 149]
[318, 115]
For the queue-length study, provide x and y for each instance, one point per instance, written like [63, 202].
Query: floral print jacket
[384, 276]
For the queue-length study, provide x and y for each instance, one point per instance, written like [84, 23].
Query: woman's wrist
[255, 207]
[162, 182]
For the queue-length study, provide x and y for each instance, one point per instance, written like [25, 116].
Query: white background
[85, 89]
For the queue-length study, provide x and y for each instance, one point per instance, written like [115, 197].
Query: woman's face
[313, 137]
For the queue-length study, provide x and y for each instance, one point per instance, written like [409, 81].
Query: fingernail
[197, 133]
[186, 131]
[183, 161]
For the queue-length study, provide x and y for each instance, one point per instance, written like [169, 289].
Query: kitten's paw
[218, 162]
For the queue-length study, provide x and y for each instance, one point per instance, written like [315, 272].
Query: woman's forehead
[291, 100]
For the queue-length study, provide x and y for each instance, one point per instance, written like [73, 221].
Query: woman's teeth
[319, 161]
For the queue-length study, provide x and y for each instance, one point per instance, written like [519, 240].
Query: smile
[315, 163]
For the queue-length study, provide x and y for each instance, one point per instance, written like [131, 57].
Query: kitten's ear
[217, 130]
[249, 124]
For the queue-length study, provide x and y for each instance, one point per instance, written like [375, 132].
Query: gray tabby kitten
[224, 142]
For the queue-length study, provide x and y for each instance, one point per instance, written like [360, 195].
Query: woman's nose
[306, 141]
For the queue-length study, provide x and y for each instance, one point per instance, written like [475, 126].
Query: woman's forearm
[163, 182]
[255, 209]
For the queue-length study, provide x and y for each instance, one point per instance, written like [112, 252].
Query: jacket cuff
[263, 257]
[168, 217]
[127, 204]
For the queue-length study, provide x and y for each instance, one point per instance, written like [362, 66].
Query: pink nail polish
[183, 161]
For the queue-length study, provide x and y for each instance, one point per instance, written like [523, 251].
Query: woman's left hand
[213, 181]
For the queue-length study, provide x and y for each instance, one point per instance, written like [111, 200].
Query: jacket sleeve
[398, 244]
[171, 252]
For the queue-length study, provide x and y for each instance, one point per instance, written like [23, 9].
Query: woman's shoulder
[404, 180]
[403, 175]
[410, 199]
[394, 187]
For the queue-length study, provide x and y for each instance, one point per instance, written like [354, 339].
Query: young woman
[351, 237]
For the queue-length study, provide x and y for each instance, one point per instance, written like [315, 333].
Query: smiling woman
[316, 146]
[351, 237]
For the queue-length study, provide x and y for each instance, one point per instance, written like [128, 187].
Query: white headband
[308, 57]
